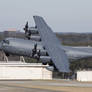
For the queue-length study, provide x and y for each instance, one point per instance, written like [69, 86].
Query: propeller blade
[38, 54]
[34, 50]
[35, 47]
[27, 32]
[26, 27]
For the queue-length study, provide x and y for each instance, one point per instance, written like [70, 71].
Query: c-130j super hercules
[44, 46]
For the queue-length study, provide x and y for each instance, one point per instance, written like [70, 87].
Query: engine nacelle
[45, 59]
[35, 38]
[50, 68]
[42, 52]
[33, 30]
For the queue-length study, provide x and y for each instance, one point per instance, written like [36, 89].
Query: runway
[10, 88]
[45, 86]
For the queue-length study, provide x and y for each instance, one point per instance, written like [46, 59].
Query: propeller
[27, 32]
[34, 51]
[36, 54]
[26, 27]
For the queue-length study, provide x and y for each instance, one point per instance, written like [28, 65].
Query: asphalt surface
[44, 86]
[5, 88]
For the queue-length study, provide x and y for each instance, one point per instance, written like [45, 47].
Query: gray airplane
[44, 46]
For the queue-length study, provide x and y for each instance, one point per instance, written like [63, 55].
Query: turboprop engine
[45, 60]
[30, 30]
[38, 51]
[41, 54]
[33, 30]
[35, 38]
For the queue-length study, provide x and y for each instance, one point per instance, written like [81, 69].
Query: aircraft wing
[52, 45]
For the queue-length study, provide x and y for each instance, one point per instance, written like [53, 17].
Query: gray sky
[61, 15]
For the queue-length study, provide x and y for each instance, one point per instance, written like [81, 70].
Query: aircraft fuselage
[24, 47]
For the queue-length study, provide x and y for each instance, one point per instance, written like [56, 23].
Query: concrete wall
[24, 71]
[84, 76]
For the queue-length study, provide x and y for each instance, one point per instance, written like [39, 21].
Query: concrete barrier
[22, 71]
[84, 76]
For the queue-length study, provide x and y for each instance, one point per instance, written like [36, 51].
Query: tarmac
[54, 85]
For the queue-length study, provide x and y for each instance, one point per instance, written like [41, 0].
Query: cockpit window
[6, 41]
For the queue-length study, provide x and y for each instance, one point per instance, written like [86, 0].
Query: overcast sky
[61, 15]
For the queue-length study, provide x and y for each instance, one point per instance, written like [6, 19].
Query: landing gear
[44, 63]
[7, 54]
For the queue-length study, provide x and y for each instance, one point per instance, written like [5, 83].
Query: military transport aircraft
[43, 45]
